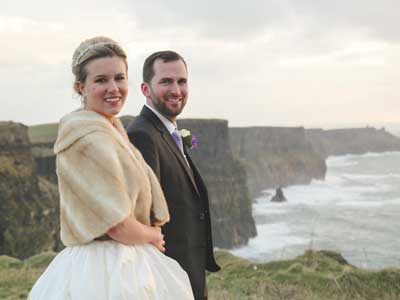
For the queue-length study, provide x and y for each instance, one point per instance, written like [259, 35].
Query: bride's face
[106, 86]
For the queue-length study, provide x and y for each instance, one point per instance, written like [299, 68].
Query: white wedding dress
[108, 270]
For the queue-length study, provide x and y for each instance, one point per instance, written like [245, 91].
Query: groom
[154, 132]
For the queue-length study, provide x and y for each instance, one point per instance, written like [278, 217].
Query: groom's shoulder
[143, 135]
[140, 123]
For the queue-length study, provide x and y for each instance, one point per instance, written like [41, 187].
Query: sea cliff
[276, 156]
[352, 141]
[27, 205]
[225, 177]
[236, 163]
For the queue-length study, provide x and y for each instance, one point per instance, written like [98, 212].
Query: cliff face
[276, 156]
[230, 205]
[45, 160]
[42, 139]
[352, 141]
[225, 177]
[26, 213]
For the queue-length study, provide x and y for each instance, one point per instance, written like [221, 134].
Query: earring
[83, 100]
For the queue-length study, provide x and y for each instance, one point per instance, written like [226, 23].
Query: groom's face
[168, 89]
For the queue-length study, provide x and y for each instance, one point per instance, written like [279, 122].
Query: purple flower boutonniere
[188, 139]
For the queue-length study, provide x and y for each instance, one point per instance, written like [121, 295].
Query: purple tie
[177, 139]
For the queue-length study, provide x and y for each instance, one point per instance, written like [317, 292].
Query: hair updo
[91, 49]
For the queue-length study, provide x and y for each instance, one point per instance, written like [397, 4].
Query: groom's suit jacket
[188, 234]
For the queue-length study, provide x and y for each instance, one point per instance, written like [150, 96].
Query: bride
[111, 204]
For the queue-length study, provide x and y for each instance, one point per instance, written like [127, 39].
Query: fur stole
[102, 179]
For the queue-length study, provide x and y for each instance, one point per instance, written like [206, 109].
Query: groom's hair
[166, 56]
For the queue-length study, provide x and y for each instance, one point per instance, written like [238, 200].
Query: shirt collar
[167, 123]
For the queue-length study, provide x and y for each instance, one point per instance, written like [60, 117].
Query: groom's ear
[145, 89]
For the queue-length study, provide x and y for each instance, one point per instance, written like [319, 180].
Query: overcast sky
[253, 62]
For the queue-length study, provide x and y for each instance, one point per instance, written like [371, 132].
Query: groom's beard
[166, 108]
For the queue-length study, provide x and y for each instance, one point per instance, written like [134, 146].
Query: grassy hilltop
[316, 275]
[319, 275]
[43, 133]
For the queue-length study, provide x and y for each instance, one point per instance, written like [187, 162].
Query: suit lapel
[167, 138]
[195, 173]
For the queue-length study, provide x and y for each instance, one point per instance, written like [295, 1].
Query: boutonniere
[188, 139]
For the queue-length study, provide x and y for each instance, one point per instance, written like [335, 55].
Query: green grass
[7, 262]
[17, 277]
[47, 133]
[16, 283]
[43, 133]
[321, 275]
[39, 261]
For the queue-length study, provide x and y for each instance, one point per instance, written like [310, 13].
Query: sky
[312, 63]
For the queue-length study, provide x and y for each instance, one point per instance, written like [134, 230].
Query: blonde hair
[91, 49]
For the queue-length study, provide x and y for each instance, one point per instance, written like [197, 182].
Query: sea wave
[353, 211]
[361, 203]
[270, 237]
[347, 157]
[352, 176]
[346, 188]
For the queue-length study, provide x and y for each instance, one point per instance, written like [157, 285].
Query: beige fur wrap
[102, 179]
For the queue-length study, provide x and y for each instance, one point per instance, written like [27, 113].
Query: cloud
[27, 41]
[378, 18]
[229, 20]
[255, 62]
[214, 19]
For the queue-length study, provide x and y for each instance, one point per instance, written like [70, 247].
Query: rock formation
[352, 141]
[236, 164]
[225, 177]
[279, 196]
[27, 213]
[276, 156]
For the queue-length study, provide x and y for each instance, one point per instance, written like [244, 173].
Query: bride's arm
[131, 232]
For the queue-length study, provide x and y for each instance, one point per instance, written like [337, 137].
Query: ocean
[354, 211]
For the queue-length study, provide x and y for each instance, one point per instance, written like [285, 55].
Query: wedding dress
[105, 270]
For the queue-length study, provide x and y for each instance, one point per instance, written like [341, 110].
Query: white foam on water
[340, 161]
[362, 204]
[269, 209]
[371, 176]
[355, 190]
[270, 237]
[334, 190]
[349, 157]
[394, 201]
[382, 154]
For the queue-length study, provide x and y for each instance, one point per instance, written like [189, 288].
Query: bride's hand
[158, 240]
